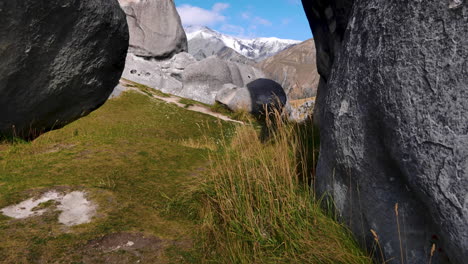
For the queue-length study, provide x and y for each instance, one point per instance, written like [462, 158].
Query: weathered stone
[161, 75]
[300, 110]
[393, 104]
[203, 80]
[186, 77]
[254, 97]
[59, 60]
[155, 28]
[235, 98]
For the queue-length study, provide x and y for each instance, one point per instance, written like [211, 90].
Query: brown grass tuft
[260, 208]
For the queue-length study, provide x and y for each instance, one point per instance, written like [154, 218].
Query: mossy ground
[131, 156]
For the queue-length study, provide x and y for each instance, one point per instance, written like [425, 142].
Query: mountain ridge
[295, 68]
[204, 41]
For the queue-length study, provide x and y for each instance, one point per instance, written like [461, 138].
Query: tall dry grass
[260, 208]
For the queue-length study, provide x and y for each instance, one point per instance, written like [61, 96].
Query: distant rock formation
[392, 108]
[203, 80]
[295, 69]
[216, 49]
[254, 97]
[155, 28]
[186, 77]
[160, 75]
[59, 60]
[229, 54]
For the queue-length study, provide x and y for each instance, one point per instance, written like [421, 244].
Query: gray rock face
[184, 76]
[162, 75]
[393, 104]
[202, 49]
[59, 60]
[203, 80]
[229, 54]
[254, 97]
[155, 28]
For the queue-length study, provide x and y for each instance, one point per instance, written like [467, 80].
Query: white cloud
[197, 16]
[245, 15]
[219, 7]
[255, 20]
[262, 21]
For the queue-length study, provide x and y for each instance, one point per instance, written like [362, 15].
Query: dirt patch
[3, 146]
[129, 248]
[86, 154]
[56, 148]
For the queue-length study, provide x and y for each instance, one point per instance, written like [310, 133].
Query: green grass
[145, 89]
[210, 191]
[130, 155]
[240, 115]
[186, 101]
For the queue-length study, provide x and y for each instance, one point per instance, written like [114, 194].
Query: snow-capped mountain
[204, 42]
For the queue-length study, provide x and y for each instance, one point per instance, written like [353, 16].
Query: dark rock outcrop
[59, 60]
[155, 28]
[392, 108]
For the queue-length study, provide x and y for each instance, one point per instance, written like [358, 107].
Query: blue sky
[248, 18]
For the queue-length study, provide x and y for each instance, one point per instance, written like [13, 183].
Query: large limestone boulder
[184, 76]
[163, 75]
[254, 98]
[393, 104]
[59, 60]
[155, 28]
[204, 79]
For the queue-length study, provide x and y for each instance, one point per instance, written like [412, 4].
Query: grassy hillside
[181, 186]
[131, 155]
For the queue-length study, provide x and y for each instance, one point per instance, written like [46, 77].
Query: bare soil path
[176, 100]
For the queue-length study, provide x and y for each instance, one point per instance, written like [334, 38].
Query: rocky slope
[155, 28]
[204, 42]
[59, 60]
[229, 54]
[295, 69]
[392, 106]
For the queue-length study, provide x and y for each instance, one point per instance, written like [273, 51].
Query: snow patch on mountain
[256, 49]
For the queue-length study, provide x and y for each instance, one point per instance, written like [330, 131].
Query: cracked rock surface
[393, 112]
[155, 28]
